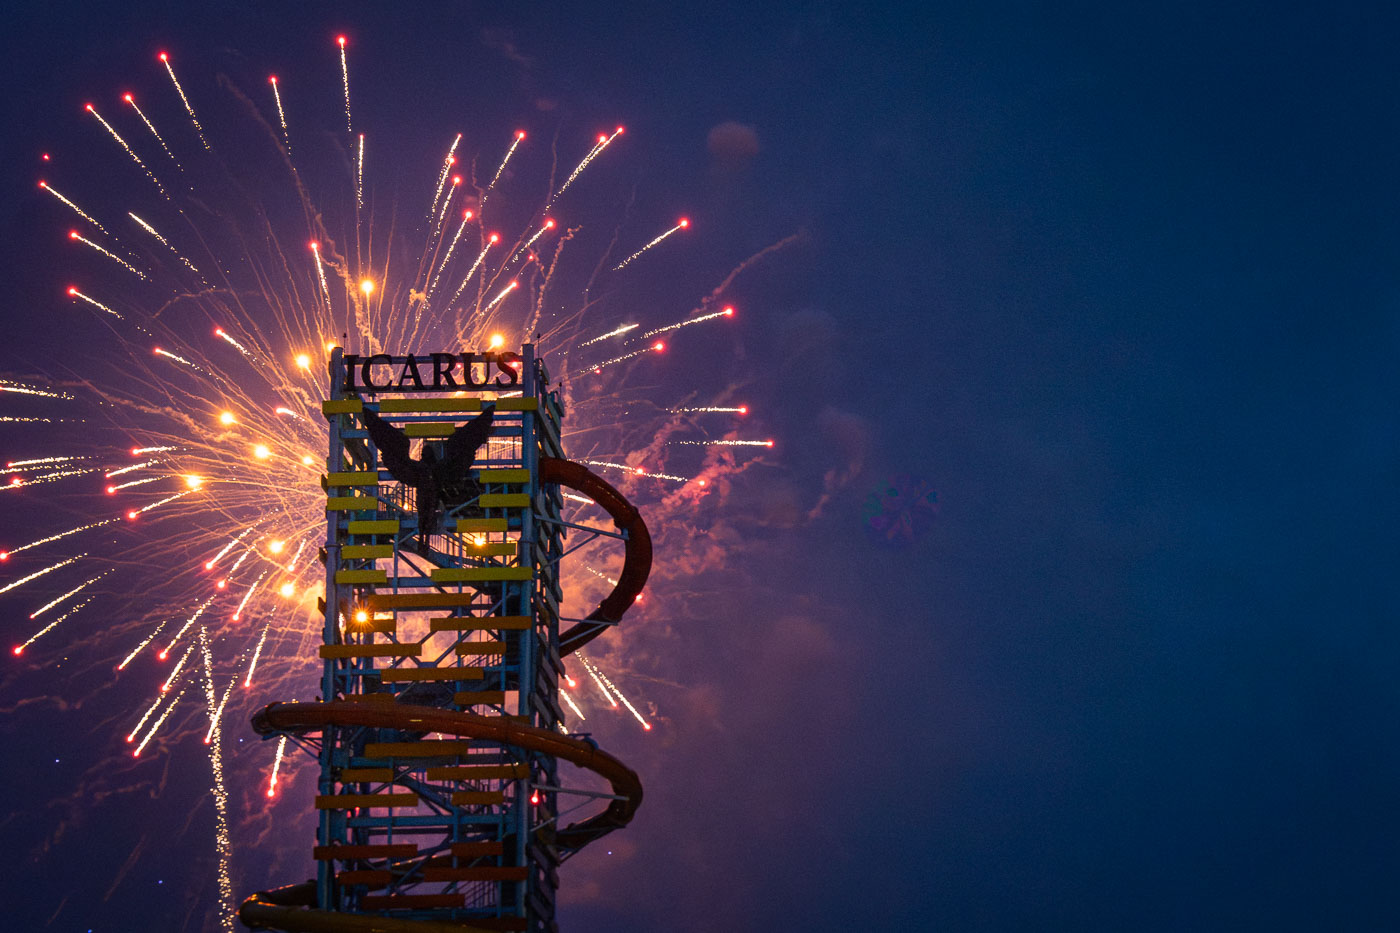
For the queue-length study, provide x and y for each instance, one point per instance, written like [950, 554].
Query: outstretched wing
[459, 450]
[393, 450]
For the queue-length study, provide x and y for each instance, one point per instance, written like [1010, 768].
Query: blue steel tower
[438, 729]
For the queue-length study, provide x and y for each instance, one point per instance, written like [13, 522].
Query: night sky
[1120, 285]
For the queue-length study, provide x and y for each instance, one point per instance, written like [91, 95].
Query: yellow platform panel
[468, 525]
[369, 651]
[478, 772]
[504, 500]
[503, 476]
[480, 698]
[351, 801]
[415, 674]
[366, 478]
[477, 624]
[380, 526]
[352, 504]
[366, 551]
[361, 576]
[479, 574]
[497, 549]
[408, 601]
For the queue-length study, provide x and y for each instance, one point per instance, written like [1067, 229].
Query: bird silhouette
[429, 476]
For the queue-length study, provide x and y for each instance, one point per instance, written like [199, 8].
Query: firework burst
[192, 492]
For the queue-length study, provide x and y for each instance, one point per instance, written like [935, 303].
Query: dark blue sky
[1121, 285]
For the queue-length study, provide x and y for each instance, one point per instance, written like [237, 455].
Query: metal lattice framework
[439, 731]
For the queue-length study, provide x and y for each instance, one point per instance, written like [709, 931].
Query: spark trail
[514, 144]
[238, 613]
[129, 151]
[599, 367]
[618, 332]
[448, 161]
[73, 291]
[276, 766]
[490, 242]
[345, 82]
[199, 130]
[19, 388]
[360, 174]
[159, 722]
[19, 649]
[707, 409]
[75, 208]
[166, 243]
[152, 127]
[137, 650]
[222, 843]
[79, 238]
[129, 469]
[281, 114]
[727, 442]
[73, 592]
[186, 627]
[39, 573]
[253, 666]
[603, 142]
[5, 555]
[727, 312]
[680, 225]
[219, 711]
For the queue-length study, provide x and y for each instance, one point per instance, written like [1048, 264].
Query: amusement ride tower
[438, 730]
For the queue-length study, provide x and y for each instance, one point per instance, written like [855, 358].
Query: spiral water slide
[293, 908]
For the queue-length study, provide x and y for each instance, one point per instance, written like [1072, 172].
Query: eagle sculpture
[432, 479]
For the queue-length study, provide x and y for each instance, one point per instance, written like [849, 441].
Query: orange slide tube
[636, 562]
[289, 908]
